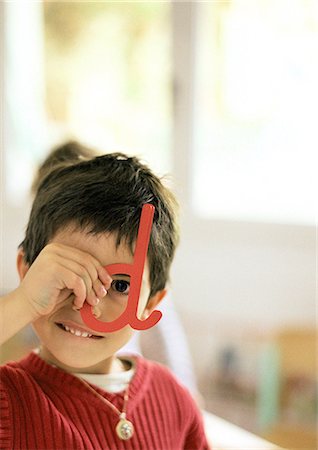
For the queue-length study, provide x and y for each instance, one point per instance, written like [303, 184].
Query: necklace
[124, 427]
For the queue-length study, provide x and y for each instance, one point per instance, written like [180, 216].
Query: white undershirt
[110, 382]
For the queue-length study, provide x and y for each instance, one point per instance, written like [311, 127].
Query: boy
[73, 392]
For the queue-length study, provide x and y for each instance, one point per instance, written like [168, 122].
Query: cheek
[40, 327]
[124, 334]
[112, 306]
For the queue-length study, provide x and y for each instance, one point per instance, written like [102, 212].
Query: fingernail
[108, 277]
[96, 301]
[103, 291]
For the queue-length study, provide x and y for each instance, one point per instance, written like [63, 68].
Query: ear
[22, 266]
[153, 302]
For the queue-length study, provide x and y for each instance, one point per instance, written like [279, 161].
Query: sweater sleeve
[5, 420]
[190, 417]
[196, 438]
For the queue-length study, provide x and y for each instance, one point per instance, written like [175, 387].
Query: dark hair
[102, 194]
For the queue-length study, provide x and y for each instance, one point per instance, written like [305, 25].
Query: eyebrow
[121, 275]
[143, 281]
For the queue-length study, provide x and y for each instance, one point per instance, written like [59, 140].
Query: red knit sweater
[43, 407]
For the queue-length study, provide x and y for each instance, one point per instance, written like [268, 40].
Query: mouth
[76, 332]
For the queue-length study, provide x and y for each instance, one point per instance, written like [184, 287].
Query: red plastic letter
[135, 271]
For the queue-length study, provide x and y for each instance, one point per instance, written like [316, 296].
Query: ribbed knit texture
[43, 407]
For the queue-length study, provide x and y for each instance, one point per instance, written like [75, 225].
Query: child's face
[73, 353]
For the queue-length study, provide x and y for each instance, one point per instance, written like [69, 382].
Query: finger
[99, 289]
[92, 265]
[104, 276]
[82, 273]
[76, 284]
[70, 298]
[97, 312]
[78, 308]
[85, 262]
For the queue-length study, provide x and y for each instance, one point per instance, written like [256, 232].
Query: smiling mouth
[78, 333]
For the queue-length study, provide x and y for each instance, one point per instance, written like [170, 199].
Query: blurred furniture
[266, 383]
[293, 381]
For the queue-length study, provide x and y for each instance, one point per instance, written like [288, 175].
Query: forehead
[102, 246]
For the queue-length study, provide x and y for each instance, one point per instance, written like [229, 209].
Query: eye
[121, 286]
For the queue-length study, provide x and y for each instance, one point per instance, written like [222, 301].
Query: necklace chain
[124, 427]
[126, 398]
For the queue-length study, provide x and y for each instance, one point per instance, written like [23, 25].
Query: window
[108, 76]
[98, 72]
[255, 113]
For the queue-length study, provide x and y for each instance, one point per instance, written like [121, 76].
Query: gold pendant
[124, 429]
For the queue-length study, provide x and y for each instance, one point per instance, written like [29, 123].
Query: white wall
[265, 272]
[237, 283]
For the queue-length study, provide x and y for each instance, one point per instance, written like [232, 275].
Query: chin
[71, 352]
[78, 359]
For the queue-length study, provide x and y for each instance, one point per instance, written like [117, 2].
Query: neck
[110, 365]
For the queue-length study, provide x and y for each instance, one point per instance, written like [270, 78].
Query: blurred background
[221, 96]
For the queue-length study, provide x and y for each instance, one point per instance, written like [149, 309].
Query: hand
[61, 272]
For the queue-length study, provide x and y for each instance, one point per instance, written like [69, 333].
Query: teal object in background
[269, 387]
